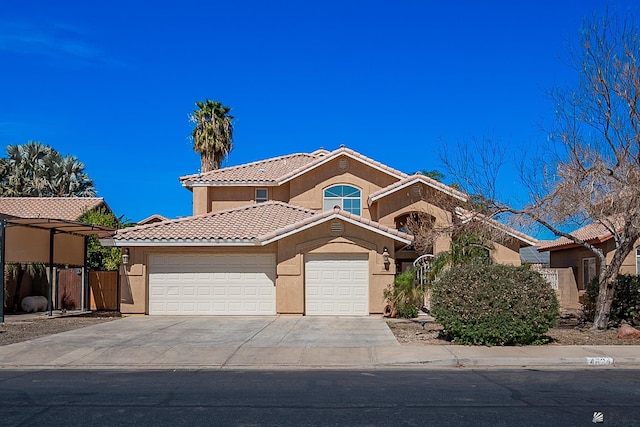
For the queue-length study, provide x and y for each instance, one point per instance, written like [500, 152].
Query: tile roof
[465, 216]
[239, 224]
[412, 179]
[592, 233]
[255, 224]
[278, 170]
[65, 208]
[261, 172]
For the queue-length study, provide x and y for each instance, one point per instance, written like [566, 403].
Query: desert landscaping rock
[16, 330]
[628, 332]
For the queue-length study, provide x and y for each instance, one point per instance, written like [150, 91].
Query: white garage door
[337, 285]
[212, 284]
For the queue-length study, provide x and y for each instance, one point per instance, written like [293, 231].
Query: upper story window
[262, 195]
[638, 260]
[344, 196]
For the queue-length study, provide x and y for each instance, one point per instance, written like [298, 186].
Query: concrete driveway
[183, 342]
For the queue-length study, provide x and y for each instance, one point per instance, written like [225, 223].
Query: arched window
[344, 196]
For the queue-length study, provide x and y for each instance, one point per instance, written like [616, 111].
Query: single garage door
[212, 284]
[337, 285]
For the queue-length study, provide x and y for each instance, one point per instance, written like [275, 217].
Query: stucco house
[317, 233]
[564, 254]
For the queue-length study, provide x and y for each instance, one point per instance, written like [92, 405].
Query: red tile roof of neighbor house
[255, 224]
[414, 179]
[278, 170]
[591, 233]
[65, 208]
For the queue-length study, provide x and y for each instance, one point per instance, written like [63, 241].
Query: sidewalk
[281, 343]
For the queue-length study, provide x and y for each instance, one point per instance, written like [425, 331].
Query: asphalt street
[320, 397]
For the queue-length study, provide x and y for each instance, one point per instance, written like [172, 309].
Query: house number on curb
[599, 360]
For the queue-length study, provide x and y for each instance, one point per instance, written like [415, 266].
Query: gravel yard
[27, 327]
[569, 331]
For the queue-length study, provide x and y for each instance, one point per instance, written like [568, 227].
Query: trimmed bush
[626, 300]
[482, 304]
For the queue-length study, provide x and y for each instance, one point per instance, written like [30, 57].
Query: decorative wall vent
[416, 190]
[336, 228]
[343, 164]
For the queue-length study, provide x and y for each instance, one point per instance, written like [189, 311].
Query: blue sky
[112, 83]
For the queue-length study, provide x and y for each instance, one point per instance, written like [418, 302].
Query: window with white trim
[345, 197]
[262, 195]
[588, 271]
[638, 260]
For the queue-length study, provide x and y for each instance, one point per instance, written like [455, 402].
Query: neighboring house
[563, 253]
[64, 208]
[531, 255]
[304, 234]
[35, 225]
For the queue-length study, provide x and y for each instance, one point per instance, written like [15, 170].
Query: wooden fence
[104, 290]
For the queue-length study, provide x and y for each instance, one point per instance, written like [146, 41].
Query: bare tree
[594, 175]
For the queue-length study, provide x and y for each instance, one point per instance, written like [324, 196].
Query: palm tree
[213, 133]
[37, 170]
[66, 177]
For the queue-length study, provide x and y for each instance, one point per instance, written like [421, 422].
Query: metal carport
[45, 241]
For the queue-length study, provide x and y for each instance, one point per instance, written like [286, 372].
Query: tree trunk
[608, 278]
[603, 307]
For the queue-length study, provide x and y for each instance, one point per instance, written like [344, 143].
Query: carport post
[83, 277]
[3, 227]
[50, 296]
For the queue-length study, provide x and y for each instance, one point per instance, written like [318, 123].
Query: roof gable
[412, 180]
[63, 208]
[280, 170]
[346, 152]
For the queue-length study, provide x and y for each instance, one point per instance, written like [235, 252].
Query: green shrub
[484, 304]
[405, 298]
[626, 299]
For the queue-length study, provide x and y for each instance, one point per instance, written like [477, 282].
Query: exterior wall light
[385, 258]
[125, 256]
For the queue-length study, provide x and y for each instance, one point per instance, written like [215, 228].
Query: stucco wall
[573, 258]
[307, 190]
[292, 253]
[507, 253]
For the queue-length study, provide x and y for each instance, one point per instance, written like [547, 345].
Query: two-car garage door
[199, 284]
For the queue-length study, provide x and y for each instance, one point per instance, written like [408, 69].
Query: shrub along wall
[626, 300]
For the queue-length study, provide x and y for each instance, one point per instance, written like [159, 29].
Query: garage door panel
[337, 284]
[230, 284]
